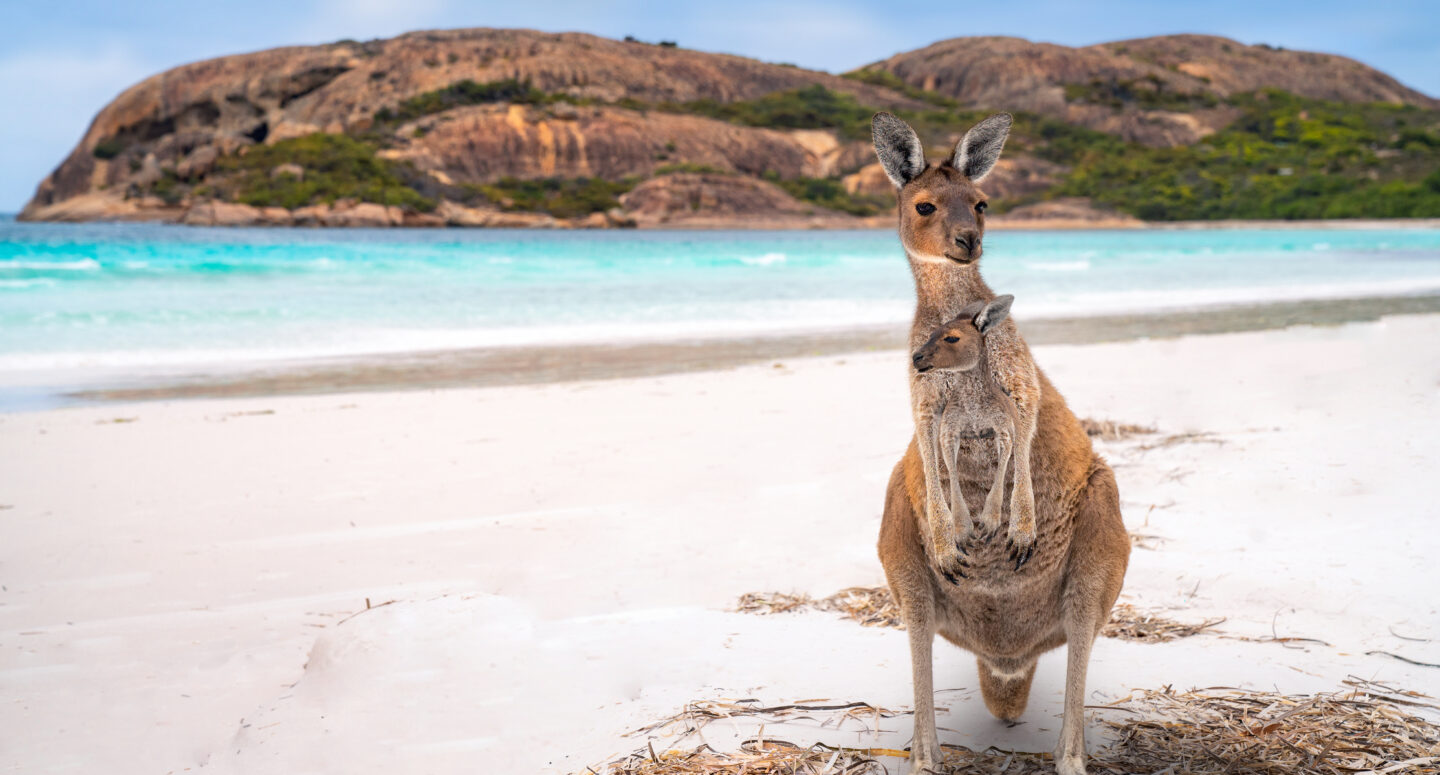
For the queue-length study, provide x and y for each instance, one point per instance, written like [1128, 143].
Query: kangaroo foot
[1070, 765]
[926, 757]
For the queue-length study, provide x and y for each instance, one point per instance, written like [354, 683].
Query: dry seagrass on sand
[1364, 728]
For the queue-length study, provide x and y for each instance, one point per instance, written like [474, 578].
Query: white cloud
[51, 98]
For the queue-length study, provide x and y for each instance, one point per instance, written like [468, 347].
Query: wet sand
[486, 367]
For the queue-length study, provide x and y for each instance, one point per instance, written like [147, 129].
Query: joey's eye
[980, 207]
[952, 339]
[924, 208]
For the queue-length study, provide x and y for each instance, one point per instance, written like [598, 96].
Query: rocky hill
[1161, 91]
[516, 127]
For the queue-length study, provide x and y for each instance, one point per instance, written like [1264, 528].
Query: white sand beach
[183, 585]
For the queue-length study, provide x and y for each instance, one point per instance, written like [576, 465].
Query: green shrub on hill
[460, 93]
[1286, 157]
[108, 148]
[692, 167]
[560, 197]
[336, 167]
[831, 194]
[811, 107]
[1148, 93]
[893, 82]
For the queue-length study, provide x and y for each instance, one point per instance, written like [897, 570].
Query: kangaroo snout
[966, 240]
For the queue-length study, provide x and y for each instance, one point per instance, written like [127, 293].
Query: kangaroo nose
[965, 240]
[917, 357]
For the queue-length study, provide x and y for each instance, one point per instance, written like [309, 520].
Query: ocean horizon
[86, 301]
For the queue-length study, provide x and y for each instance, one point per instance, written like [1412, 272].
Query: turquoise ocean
[80, 302]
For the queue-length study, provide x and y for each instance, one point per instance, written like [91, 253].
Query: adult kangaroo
[969, 585]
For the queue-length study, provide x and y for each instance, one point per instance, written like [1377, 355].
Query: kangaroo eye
[924, 208]
[980, 207]
[952, 339]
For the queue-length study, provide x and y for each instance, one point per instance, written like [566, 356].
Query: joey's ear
[969, 312]
[994, 313]
[898, 148]
[976, 153]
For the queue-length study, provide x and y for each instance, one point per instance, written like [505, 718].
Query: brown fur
[1006, 617]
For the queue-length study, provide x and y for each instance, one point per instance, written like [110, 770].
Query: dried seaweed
[1129, 623]
[772, 603]
[1109, 430]
[1363, 729]
[755, 757]
[701, 712]
[1145, 540]
[1193, 437]
[875, 607]
[870, 606]
[1366, 727]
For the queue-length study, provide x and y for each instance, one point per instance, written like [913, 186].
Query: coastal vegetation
[1148, 93]
[810, 107]
[313, 169]
[560, 197]
[461, 93]
[1284, 157]
[831, 194]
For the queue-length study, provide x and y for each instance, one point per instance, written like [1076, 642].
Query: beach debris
[698, 713]
[870, 606]
[755, 757]
[876, 607]
[1402, 659]
[772, 603]
[1275, 637]
[1109, 430]
[1366, 727]
[367, 607]
[1129, 623]
[1193, 437]
[1146, 540]
[758, 755]
[117, 421]
[1391, 629]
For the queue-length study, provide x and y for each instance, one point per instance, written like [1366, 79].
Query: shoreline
[501, 366]
[526, 221]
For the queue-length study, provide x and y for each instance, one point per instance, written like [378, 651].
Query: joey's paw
[951, 564]
[989, 524]
[1021, 547]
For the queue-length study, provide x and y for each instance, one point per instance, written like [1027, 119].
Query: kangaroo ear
[898, 148]
[976, 153]
[994, 313]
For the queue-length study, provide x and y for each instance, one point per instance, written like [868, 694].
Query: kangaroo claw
[950, 577]
[1022, 555]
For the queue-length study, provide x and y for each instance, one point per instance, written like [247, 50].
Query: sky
[63, 60]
